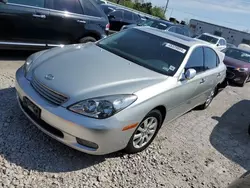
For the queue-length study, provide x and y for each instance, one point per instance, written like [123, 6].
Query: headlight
[27, 64]
[103, 107]
[242, 69]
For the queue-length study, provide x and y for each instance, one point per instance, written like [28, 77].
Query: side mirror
[190, 73]
[218, 45]
[4, 1]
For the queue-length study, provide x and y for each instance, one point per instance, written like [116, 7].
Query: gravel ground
[201, 149]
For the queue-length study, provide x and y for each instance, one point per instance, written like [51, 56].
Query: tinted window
[162, 55]
[237, 54]
[208, 38]
[107, 9]
[210, 58]
[179, 31]
[196, 60]
[128, 15]
[73, 6]
[137, 18]
[35, 3]
[221, 42]
[172, 29]
[160, 25]
[117, 14]
[90, 9]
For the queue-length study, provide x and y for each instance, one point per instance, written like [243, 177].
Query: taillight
[107, 27]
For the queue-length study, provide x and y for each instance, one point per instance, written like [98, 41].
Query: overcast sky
[229, 13]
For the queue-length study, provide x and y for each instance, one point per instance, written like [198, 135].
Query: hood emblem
[49, 77]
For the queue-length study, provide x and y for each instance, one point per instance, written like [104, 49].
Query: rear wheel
[145, 132]
[87, 39]
[209, 99]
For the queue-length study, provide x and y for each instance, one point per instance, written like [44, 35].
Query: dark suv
[36, 24]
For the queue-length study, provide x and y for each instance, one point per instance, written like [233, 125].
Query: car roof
[213, 36]
[187, 41]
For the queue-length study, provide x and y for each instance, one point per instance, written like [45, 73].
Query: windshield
[237, 54]
[160, 25]
[148, 50]
[146, 23]
[208, 38]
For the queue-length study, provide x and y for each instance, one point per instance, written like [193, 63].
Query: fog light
[87, 143]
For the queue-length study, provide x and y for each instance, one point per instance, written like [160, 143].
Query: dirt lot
[201, 149]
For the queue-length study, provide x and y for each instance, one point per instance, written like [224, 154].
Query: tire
[156, 117]
[244, 82]
[209, 100]
[87, 39]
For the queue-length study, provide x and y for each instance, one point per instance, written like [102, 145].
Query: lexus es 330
[116, 93]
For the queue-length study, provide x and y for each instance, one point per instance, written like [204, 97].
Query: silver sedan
[116, 93]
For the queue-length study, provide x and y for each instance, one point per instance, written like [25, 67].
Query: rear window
[160, 25]
[208, 38]
[151, 51]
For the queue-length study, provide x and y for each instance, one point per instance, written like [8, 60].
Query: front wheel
[145, 132]
[87, 39]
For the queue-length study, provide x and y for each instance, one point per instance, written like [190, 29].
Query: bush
[142, 7]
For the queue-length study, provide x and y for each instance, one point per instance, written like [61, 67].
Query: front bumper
[66, 126]
[236, 76]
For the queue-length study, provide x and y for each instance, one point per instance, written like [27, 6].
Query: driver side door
[189, 93]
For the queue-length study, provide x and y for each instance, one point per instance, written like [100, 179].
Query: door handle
[39, 16]
[81, 21]
[202, 81]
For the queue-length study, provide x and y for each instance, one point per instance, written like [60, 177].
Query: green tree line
[142, 6]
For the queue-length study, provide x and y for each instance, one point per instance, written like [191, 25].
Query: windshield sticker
[172, 68]
[174, 47]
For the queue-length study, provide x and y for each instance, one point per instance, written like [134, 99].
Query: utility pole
[165, 10]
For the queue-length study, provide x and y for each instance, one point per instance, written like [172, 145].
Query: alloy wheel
[145, 132]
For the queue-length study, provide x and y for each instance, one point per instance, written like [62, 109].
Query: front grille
[47, 93]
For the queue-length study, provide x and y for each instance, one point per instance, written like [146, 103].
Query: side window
[34, 3]
[221, 42]
[128, 15]
[117, 14]
[179, 31]
[73, 6]
[90, 9]
[137, 17]
[210, 58]
[172, 29]
[196, 60]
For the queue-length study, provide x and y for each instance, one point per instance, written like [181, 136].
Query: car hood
[87, 71]
[228, 61]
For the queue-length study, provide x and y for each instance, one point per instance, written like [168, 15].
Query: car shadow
[14, 55]
[24, 145]
[230, 136]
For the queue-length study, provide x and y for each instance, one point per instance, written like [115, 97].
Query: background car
[229, 45]
[110, 111]
[238, 65]
[162, 25]
[120, 17]
[36, 24]
[107, 8]
[218, 43]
